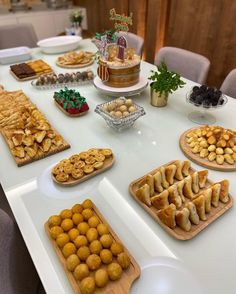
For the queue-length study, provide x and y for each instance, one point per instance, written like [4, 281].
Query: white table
[151, 142]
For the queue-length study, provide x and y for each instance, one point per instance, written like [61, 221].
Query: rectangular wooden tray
[121, 286]
[177, 232]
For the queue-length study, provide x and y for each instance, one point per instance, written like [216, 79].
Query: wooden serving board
[121, 286]
[177, 232]
[28, 78]
[79, 65]
[67, 113]
[108, 162]
[202, 161]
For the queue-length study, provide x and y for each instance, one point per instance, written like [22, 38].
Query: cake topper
[122, 21]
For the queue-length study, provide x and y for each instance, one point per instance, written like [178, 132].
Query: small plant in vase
[163, 83]
[76, 19]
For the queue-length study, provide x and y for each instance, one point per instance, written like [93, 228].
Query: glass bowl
[119, 123]
[202, 116]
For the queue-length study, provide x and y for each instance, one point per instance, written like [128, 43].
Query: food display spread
[27, 132]
[75, 59]
[183, 201]
[82, 166]
[92, 255]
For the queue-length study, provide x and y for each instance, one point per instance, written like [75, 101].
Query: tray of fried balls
[182, 200]
[82, 166]
[211, 146]
[93, 257]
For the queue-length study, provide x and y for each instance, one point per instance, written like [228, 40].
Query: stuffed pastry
[179, 166]
[160, 201]
[215, 194]
[150, 182]
[182, 219]
[200, 206]
[195, 182]
[202, 177]
[180, 186]
[143, 194]
[193, 216]
[224, 191]
[207, 195]
[167, 216]
[170, 173]
[185, 168]
[164, 182]
[174, 196]
[187, 189]
[158, 182]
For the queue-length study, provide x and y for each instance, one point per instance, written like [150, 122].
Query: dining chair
[188, 64]
[134, 41]
[17, 35]
[228, 86]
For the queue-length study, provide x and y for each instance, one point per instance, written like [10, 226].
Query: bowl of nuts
[120, 113]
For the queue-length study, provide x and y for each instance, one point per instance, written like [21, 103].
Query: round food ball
[54, 220]
[62, 240]
[83, 252]
[129, 102]
[112, 113]
[92, 234]
[83, 228]
[106, 240]
[101, 278]
[95, 247]
[87, 204]
[102, 229]
[67, 224]
[77, 208]
[93, 261]
[105, 108]
[55, 231]
[119, 102]
[87, 213]
[132, 109]
[81, 240]
[123, 108]
[124, 260]
[125, 113]
[93, 221]
[81, 271]
[77, 218]
[116, 248]
[106, 256]
[111, 106]
[66, 213]
[73, 234]
[114, 271]
[87, 285]
[118, 114]
[68, 249]
[72, 262]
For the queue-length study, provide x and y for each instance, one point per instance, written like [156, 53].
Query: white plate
[13, 55]
[126, 91]
[59, 44]
[165, 275]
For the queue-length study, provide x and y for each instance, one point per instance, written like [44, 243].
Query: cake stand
[117, 92]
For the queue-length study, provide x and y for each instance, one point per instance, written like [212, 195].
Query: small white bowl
[14, 55]
[59, 44]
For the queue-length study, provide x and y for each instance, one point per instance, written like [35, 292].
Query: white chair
[134, 41]
[17, 35]
[228, 86]
[190, 65]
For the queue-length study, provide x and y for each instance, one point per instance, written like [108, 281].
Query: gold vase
[157, 99]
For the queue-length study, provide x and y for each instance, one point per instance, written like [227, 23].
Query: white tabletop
[151, 142]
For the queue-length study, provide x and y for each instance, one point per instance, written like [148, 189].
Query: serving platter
[69, 114]
[121, 286]
[79, 65]
[177, 232]
[202, 161]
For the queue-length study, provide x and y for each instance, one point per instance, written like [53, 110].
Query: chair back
[134, 41]
[228, 86]
[188, 64]
[17, 35]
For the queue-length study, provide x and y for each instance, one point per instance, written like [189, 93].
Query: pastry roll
[180, 186]
[167, 216]
[200, 206]
[164, 182]
[157, 182]
[224, 191]
[187, 189]
[193, 216]
[160, 201]
[178, 174]
[143, 194]
[185, 168]
[202, 177]
[174, 196]
[182, 219]
[207, 195]
[215, 194]
[170, 173]
[150, 182]
[195, 182]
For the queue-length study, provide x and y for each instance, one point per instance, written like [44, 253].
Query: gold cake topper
[122, 21]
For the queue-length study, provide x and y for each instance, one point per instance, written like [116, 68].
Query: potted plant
[163, 83]
[76, 19]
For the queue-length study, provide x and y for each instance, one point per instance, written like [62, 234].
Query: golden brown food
[95, 247]
[81, 271]
[124, 260]
[77, 208]
[101, 278]
[83, 252]
[66, 213]
[67, 224]
[83, 228]
[77, 218]
[72, 262]
[92, 234]
[73, 234]
[116, 248]
[106, 240]
[93, 262]
[87, 204]
[114, 271]
[87, 285]
[81, 240]
[102, 229]
[106, 256]
[62, 239]
[93, 221]
[55, 231]
[68, 249]
[54, 220]
[87, 213]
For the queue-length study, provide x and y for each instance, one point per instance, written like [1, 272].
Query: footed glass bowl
[119, 123]
[202, 116]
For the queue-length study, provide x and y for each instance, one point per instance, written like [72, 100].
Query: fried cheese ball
[106, 240]
[92, 234]
[62, 240]
[87, 213]
[87, 204]
[95, 247]
[93, 261]
[93, 221]
[102, 229]
[77, 218]
[72, 262]
[114, 271]
[87, 285]
[83, 228]
[83, 252]
[68, 249]
[55, 231]
[116, 248]
[106, 256]
[81, 271]
[124, 260]
[66, 213]
[81, 240]
[101, 278]
[73, 234]
[54, 220]
[77, 208]
[67, 224]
